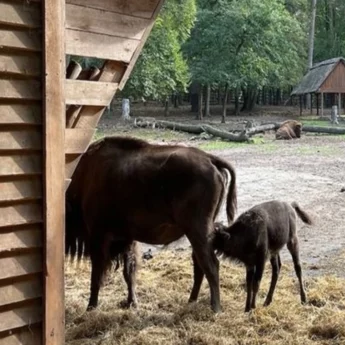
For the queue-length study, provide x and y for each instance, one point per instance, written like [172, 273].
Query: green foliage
[161, 68]
[247, 43]
[330, 32]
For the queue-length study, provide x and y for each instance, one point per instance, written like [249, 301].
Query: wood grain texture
[78, 140]
[20, 89]
[138, 8]
[21, 291]
[24, 336]
[89, 116]
[54, 118]
[20, 317]
[80, 92]
[20, 114]
[21, 239]
[20, 265]
[20, 214]
[19, 15]
[20, 190]
[21, 140]
[16, 165]
[108, 23]
[20, 66]
[20, 41]
[87, 44]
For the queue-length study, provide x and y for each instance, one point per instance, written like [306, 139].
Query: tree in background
[329, 32]
[161, 68]
[245, 45]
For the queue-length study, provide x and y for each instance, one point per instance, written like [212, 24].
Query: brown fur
[257, 234]
[126, 190]
[290, 129]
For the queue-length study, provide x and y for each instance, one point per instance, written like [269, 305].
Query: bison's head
[298, 129]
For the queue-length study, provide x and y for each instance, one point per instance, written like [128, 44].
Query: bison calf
[257, 234]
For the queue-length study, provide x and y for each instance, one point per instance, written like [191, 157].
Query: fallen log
[194, 129]
[326, 130]
[226, 135]
[262, 128]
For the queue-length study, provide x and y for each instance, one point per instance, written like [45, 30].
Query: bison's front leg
[129, 273]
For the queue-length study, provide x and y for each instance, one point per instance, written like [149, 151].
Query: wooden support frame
[54, 120]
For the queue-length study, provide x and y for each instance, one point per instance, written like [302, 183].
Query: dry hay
[164, 317]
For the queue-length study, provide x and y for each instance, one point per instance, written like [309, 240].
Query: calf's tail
[302, 214]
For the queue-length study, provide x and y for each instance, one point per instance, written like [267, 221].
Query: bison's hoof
[91, 307]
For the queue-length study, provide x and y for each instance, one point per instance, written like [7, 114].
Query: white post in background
[126, 109]
[334, 115]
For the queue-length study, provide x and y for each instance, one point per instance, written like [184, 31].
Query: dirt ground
[309, 170]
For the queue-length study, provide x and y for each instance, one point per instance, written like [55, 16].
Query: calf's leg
[259, 270]
[293, 248]
[249, 281]
[275, 273]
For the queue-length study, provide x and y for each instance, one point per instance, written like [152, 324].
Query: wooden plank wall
[335, 82]
[113, 30]
[21, 189]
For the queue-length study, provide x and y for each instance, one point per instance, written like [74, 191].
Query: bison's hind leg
[130, 265]
[207, 263]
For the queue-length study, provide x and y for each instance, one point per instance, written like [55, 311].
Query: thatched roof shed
[324, 77]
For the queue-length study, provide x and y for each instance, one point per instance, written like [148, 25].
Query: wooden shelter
[47, 120]
[326, 77]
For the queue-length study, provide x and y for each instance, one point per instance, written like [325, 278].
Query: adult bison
[290, 129]
[126, 190]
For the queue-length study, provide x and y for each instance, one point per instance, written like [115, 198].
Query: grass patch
[164, 317]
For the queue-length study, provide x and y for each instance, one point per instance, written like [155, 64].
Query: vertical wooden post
[300, 105]
[54, 170]
[339, 104]
[321, 104]
[317, 104]
[311, 103]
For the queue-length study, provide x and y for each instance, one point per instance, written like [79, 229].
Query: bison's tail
[231, 201]
[302, 214]
[76, 241]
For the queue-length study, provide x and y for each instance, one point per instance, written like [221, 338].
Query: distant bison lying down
[126, 190]
[257, 234]
[289, 129]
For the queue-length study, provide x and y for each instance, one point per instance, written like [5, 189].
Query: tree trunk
[167, 106]
[311, 43]
[194, 97]
[200, 103]
[249, 98]
[225, 102]
[207, 101]
[219, 96]
[237, 103]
